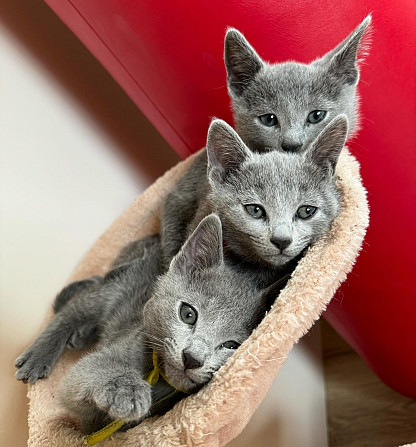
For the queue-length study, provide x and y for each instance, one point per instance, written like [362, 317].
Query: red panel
[168, 57]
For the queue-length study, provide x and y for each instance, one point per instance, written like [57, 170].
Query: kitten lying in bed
[272, 205]
[193, 318]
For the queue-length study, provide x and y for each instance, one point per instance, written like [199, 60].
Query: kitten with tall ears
[272, 205]
[285, 105]
[194, 317]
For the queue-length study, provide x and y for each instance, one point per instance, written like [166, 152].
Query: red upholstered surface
[168, 57]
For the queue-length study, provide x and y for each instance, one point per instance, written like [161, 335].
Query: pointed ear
[225, 149]
[342, 62]
[325, 150]
[202, 250]
[241, 61]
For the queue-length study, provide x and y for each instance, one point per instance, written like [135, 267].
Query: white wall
[74, 153]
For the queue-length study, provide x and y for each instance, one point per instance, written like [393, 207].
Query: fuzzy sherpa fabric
[220, 411]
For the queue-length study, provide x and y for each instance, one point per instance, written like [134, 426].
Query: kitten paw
[124, 398]
[32, 366]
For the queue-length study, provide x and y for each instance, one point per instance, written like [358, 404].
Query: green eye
[316, 116]
[188, 314]
[269, 120]
[306, 212]
[230, 344]
[255, 211]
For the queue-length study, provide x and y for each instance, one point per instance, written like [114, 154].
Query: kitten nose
[281, 243]
[291, 147]
[190, 362]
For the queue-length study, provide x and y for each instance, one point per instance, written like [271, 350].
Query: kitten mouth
[286, 256]
[279, 256]
[277, 259]
[179, 378]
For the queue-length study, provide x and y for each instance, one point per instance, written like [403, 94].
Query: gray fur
[292, 90]
[280, 182]
[133, 319]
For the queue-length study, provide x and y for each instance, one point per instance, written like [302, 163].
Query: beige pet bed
[220, 411]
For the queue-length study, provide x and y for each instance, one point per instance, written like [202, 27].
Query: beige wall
[74, 153]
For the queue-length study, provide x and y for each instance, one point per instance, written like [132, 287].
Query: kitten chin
[278, 260]
[181, 379]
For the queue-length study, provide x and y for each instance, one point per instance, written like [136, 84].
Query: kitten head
[284, 106]
[201, 310]
[273, 205]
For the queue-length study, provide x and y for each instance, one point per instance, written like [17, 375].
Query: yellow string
[113, 426]
[104, 433]
[153, 377]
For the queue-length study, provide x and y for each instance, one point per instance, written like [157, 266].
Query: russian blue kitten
[272, 205]
[284, 106]
[194, 317]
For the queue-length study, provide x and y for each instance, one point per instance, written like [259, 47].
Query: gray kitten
[284, 106]
[272, 205]
[194, 316]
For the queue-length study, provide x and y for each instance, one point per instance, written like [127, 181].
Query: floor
[362, 411]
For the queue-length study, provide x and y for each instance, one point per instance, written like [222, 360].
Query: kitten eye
[231, 344]
[255, 211]
[188, 314]
[316, 116]
[269, 120]
[306, 212]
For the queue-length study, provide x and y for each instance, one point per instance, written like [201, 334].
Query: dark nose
[190, 362]
[281, 243]
[291, 147]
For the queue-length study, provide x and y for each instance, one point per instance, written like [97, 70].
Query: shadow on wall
[60, 52]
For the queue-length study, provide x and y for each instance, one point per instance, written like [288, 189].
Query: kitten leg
[174, 230]
[108, 381]
[37, 360]
[85, 335]
[180, 207]
[76, 287]
[137, 249]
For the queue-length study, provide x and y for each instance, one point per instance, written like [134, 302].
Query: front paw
[125, 397]
[32, 365]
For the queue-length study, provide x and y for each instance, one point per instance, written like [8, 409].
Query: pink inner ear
[325, 150]
[226, 150]
[203, 249]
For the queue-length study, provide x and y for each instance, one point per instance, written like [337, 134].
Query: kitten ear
[225, 149]
[241, 62]
[343, 60]
[325, 150]
[203, 249]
